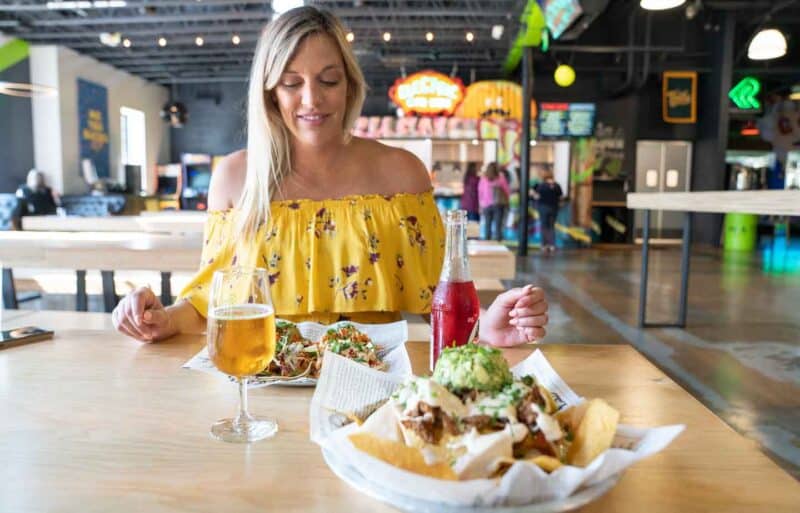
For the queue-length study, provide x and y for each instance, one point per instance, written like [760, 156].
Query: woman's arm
[185, 318]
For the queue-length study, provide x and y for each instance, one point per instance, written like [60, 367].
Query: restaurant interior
[672, 283]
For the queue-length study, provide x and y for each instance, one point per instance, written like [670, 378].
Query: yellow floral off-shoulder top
[364, 258]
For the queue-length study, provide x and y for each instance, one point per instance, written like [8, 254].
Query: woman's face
[312, 92]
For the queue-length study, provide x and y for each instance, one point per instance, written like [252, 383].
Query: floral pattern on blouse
[337, 258]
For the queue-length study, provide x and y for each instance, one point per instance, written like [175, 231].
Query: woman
[547, 193]
[36, 198]
[469, 199]
[493, 194]
[346, 226]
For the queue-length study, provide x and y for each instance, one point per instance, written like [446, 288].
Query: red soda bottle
[455, 308]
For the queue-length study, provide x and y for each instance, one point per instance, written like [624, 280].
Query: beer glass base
[253, 430]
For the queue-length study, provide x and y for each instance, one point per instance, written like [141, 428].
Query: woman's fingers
[529, 321]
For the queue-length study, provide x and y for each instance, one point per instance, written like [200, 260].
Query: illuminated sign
[427, 92]
[494, 99]
[560, 14]
[679, 97]
[743, 94]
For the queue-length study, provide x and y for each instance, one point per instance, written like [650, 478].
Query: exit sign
[744, 93]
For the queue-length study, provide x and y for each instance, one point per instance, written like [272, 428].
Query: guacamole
[472, 367]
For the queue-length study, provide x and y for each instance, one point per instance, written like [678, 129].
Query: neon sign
[427, 93]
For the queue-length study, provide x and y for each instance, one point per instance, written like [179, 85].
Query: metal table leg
[166, 289]
[110, 298]
[643, 279]
[685, 257]
[9, 291]
[81, 300]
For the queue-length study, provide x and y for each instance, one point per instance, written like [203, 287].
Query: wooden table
[166, 253]
[175, 223]
[767, 202]
[96, 422]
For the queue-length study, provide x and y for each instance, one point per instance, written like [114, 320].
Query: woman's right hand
[141, 315]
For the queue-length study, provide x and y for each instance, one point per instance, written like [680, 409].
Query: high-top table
[93, 421]
[772, 202]
[166, 253]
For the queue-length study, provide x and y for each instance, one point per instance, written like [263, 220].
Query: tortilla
[592, 424]
[400, 455]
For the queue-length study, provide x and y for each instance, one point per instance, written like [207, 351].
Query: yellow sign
[494, 99]
[428, 93]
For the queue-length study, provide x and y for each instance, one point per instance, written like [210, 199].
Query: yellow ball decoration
[564, 75]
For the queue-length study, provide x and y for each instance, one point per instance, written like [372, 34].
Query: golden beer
[241, 338]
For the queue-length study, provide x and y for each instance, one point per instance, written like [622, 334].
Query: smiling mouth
[312, 118]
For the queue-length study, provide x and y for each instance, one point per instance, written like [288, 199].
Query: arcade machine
[196, 173]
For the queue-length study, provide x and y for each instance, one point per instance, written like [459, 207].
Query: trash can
[741, 232]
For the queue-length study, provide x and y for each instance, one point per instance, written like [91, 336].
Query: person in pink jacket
[493, 194]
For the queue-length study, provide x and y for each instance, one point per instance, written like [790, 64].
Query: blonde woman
[347, 227]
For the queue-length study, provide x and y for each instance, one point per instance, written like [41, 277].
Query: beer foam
[241, 312]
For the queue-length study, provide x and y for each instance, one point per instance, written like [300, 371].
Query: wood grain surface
[95, 422]
[779, 203]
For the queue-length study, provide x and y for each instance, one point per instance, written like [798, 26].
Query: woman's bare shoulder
[396, 170]
[227, 181]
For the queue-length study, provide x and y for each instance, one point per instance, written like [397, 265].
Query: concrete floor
[739, 355]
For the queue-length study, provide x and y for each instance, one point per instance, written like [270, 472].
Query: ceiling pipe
[626, 84]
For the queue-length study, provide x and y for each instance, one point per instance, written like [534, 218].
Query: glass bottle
[455, 308]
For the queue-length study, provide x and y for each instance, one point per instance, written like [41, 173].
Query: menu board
[566, 119]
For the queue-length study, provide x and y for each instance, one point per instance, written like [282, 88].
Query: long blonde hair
[268, 149]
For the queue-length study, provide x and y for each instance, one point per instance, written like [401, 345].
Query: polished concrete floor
[739, 354]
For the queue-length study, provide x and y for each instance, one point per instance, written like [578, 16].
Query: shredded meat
[467, 395]
[533, 441]
[484, 423]
[430, 423]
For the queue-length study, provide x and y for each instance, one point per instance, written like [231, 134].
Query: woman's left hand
[516, 316]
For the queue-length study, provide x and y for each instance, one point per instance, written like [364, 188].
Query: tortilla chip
[546, 463]
[592, 424]
[383, 424]
[397, 454]
[481, 454]
[550, 406]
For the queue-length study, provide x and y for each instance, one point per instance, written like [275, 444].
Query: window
[133, 135]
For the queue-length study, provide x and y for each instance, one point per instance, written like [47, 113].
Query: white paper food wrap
[390, 339]
[346, 388]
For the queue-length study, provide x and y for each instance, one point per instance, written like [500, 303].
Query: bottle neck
[456, 263]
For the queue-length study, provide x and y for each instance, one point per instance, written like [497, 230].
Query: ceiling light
[162, 41]
[126, 43]
[350, 37]
[236, 39]
[199, 41]
[429, 37]
[497, 31]
[111, 39]
[470, 37]
[660, 5]
[387, 36]
[281, 6]
[768, 44]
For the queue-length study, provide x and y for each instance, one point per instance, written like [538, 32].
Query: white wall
[46, 113]
[124, 90]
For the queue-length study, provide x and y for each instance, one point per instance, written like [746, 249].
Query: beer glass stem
[243, 417]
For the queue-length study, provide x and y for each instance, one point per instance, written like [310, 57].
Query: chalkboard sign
[679, 97]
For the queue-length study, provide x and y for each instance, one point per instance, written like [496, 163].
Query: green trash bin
[741, 232]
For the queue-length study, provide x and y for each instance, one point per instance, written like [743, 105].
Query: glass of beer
[241, 343]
